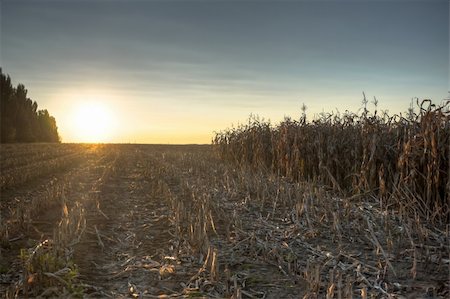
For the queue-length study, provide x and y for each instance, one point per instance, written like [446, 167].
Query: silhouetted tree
[48, 131]
[7, 110]
[20, 119]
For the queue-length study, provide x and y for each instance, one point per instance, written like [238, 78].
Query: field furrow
[127, 233]
[43, 215]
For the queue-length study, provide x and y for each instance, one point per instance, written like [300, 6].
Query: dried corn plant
[403, 160]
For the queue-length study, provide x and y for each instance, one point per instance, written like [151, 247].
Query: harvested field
[156, 221]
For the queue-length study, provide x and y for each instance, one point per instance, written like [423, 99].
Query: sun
[93, 122]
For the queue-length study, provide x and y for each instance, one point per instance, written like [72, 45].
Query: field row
[16, 154]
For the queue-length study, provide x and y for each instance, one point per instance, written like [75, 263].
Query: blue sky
[175, 71]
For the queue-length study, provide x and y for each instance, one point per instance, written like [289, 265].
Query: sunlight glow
[93, 122]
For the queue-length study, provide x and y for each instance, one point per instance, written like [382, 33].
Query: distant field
[183, 221]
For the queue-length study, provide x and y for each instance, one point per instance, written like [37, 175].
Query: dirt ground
[148, 221]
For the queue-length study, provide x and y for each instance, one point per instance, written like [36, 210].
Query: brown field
[156, 221]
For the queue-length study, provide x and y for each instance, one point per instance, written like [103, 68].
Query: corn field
[345, 206]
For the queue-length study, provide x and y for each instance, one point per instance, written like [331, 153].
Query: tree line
[20, 119]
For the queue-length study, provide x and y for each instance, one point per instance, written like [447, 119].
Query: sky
[176, 71]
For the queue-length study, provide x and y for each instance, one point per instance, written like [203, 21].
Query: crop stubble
[148, 221]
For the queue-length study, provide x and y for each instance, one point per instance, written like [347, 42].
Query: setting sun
[93, 122]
